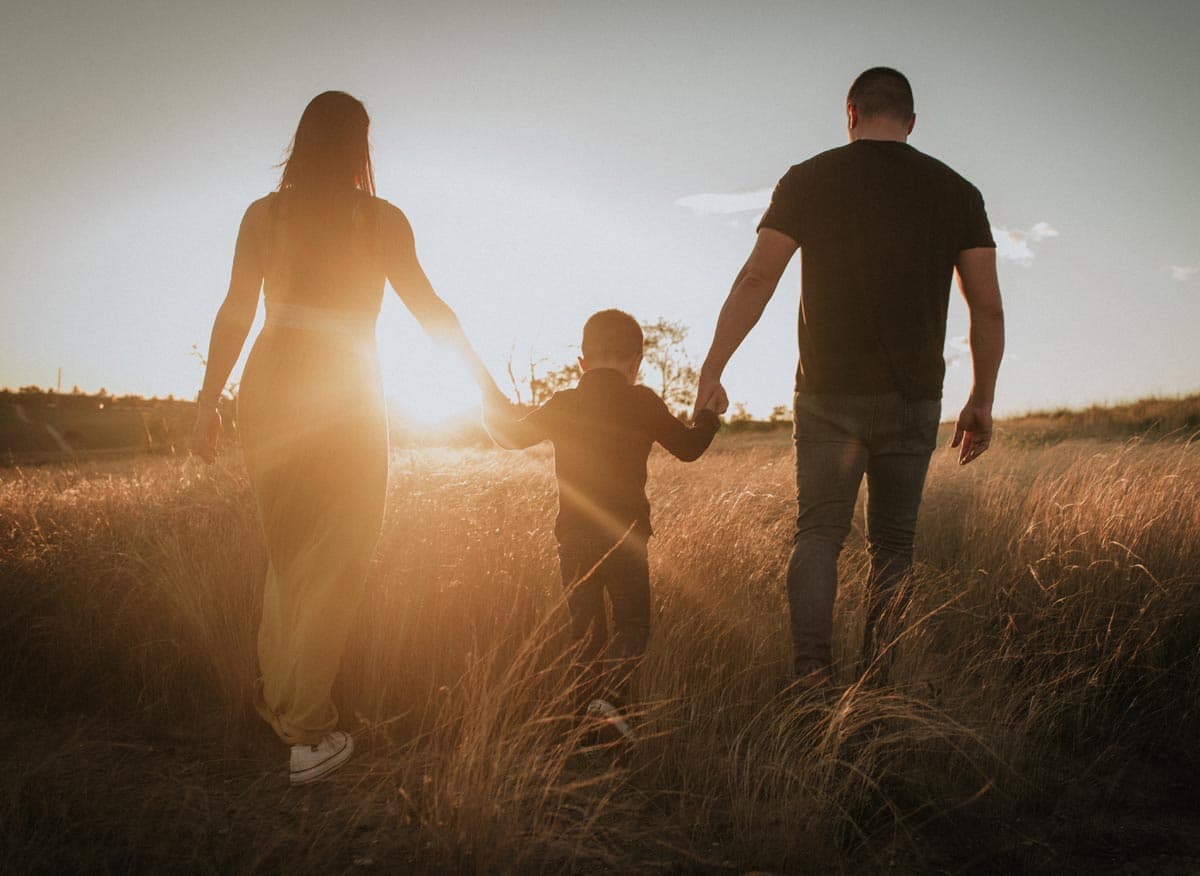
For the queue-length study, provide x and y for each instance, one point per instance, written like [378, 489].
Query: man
[882, 228]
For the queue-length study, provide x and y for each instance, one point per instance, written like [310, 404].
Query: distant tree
[666, 364]
[779, 414]
[550, 382]
[512, 375]
[528, 380]
[670, 369]
[738, 413]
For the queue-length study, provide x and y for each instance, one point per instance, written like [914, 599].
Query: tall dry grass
[1051, 643]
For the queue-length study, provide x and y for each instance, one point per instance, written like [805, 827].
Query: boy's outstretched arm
[681, 441]
[512, 431]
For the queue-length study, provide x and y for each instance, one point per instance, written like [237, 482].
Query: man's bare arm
[752, 289]
[976, 269]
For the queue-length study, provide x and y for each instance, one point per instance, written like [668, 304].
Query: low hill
[44, 426]
[1152, 418]
[37, 426]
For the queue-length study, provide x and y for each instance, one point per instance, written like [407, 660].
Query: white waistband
[319, 319]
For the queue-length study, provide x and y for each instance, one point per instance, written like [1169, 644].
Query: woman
[311, 409]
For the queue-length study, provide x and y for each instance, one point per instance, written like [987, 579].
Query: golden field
[1043, 712]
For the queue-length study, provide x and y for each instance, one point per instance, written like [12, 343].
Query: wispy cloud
[957, 349]
[738, 209]
[1183, 273]
[1014, 244]
[726, 203]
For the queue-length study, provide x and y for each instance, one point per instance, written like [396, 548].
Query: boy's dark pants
[624, 574]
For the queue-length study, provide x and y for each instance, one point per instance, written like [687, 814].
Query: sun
[426, 384]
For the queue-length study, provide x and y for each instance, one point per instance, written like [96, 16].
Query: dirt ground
[80, 796]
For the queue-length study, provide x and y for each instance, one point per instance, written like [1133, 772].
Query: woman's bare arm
[236, 315]
[408, 278]
[231, 326]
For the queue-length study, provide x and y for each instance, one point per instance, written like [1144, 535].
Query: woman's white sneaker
[311, 762]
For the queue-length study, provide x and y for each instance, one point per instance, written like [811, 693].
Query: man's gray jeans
[839, 438]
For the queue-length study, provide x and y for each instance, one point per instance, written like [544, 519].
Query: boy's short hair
[611, 334]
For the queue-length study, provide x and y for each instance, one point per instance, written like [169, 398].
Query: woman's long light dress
[314, 430]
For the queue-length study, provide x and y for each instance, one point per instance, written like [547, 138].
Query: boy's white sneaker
[312, 762]
[606, 710]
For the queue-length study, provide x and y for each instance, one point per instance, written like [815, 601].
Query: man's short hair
[882, 91]
[611, 334]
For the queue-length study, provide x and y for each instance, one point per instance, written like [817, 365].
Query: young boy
[602, 432]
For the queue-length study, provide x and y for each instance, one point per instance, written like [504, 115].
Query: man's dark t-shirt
[879, 225]
[602, 433]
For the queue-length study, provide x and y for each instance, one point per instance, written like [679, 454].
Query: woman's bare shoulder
[396, 231]
[388, 212]
[259, 210]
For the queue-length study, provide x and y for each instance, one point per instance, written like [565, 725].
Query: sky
[559, 158]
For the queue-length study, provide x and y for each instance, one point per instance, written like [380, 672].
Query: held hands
[497, 407]
[206, 434]
[710, 395]
[498, 410]
[973, 431]
[490, 394]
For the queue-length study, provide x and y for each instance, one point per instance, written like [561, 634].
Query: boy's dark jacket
[602, 432]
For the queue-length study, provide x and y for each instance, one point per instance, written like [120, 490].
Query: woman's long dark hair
[330, 149]
[326, 173]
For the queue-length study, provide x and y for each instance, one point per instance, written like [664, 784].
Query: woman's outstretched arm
[408, 278]
[231, 327]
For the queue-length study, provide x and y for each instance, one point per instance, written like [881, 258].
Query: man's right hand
[710, 394]
[752, 289]
[973, 431]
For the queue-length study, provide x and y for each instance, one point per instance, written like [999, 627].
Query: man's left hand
[973, 431]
